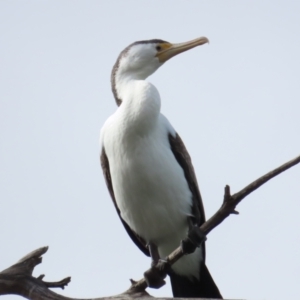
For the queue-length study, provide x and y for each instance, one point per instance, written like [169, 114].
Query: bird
[148, 171]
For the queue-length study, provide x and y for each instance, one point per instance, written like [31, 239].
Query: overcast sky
[235, 103]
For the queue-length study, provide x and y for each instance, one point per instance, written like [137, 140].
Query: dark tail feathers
[186, 288]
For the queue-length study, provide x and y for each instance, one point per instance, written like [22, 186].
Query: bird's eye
[158, 48]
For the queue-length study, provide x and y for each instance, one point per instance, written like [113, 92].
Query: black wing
[184, 160]
[106, 172]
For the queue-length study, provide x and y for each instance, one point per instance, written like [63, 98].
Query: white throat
[140, 104]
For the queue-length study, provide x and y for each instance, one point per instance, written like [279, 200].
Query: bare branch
[231, 202]
[227, 208]
[18, 278]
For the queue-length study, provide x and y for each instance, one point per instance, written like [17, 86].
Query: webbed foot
[159, 269]
[157, 273]
[194, 240]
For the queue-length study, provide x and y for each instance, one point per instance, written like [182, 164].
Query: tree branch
[227, 208]
[18, 278]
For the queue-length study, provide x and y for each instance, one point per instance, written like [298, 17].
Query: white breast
[149, 185]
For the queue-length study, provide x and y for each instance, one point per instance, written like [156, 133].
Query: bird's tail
[185, 287]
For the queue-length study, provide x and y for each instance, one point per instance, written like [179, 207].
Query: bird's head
[141, 59]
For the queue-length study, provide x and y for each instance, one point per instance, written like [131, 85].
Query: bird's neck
[141, 103]
[120, 79]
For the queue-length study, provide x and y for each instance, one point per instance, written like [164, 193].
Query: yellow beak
[175, 49]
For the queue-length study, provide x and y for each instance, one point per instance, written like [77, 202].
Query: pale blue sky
[235, 103]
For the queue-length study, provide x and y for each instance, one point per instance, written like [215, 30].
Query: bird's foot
[194, 240]
[157, 273]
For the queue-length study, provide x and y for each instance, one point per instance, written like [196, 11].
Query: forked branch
[227, 208]
[18, 278]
